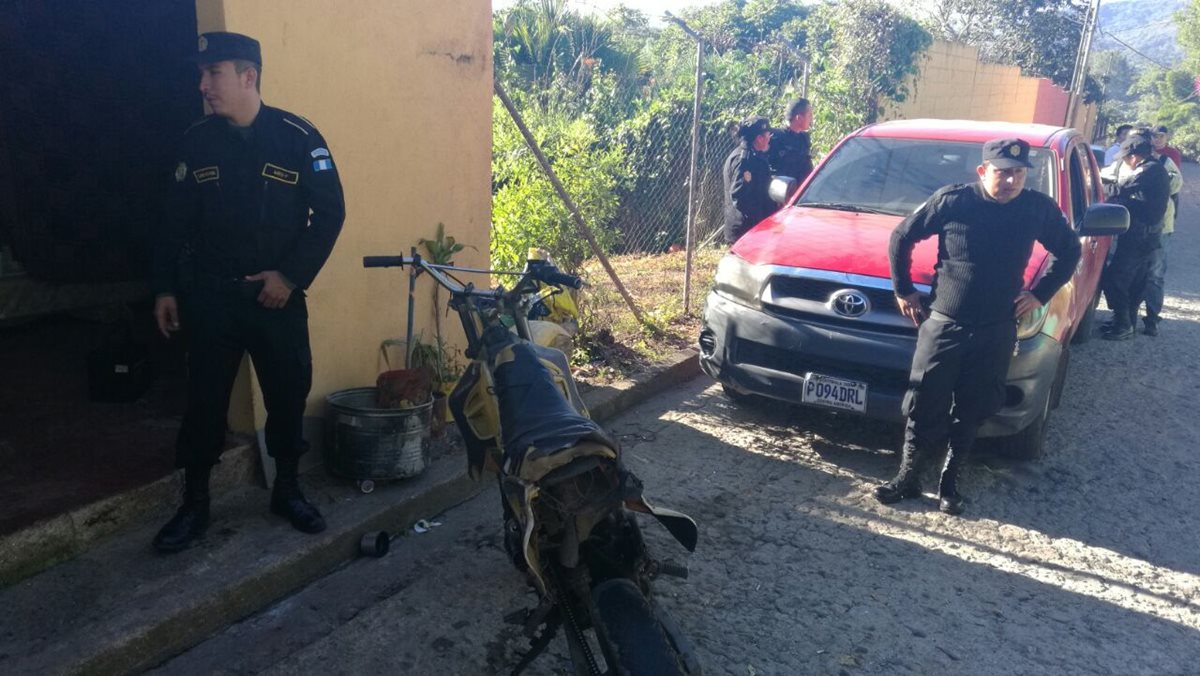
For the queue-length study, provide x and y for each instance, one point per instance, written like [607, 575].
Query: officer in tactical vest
[254, 210]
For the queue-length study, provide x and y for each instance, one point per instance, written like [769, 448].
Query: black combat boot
[1119, 331]
[907, 483]
[287, 500]
[190, 522]
[949, 499]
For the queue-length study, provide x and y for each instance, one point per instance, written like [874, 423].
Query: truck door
[1085, 191]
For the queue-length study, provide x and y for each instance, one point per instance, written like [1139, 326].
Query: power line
[1126, 45]
[1147, 25]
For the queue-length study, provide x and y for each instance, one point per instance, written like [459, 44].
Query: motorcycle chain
[572, 625]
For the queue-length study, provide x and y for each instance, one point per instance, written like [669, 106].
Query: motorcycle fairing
[681, 526]
[478, 418]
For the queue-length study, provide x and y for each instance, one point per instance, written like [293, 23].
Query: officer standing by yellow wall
[254, 212]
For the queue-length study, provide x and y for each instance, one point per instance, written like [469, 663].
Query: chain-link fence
[654, 209]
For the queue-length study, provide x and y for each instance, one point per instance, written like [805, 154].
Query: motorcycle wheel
[634, 641]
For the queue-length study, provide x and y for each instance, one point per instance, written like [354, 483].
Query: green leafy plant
[440, 250]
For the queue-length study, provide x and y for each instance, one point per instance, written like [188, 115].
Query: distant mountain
[1146, 25]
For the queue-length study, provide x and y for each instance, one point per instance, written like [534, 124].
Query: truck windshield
[897, 175]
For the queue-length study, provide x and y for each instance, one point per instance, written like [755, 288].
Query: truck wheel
[1083, 332]
[1029, 443]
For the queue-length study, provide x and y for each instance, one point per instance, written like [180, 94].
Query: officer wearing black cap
[747, 177]
[985, 232]
[1144, 188]
[255, 207]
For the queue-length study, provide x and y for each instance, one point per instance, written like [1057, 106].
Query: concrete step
[119, 607]
[41, 545]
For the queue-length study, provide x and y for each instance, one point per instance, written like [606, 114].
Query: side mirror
[781, 188]
[1104, 220]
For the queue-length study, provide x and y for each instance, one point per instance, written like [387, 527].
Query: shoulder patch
[747, 176]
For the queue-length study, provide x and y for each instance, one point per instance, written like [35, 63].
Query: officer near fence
[747, 176]
[985, 232]
[254, 210]
[790, 153]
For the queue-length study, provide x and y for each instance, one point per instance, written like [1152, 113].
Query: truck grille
[820, 290]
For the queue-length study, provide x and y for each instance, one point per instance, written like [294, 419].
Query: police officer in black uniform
[1144, 189]
[791, 147]
[985, 232]
[747, 177]
[254, 211]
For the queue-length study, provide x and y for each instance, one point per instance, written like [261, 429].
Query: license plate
[839, 393]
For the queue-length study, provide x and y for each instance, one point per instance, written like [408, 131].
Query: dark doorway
[93, 97]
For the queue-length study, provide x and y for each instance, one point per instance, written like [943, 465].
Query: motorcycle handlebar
[553, 276]
[384, 261]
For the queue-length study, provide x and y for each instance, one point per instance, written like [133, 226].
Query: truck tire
[1083, 332]
[1030, 443]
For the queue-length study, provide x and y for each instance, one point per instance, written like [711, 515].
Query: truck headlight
[740, 281]
[1030, 323]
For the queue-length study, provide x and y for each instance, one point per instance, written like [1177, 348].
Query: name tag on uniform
[280, 174]
[207, 174]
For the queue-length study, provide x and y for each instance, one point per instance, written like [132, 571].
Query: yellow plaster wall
[955, 84]
[401, 90]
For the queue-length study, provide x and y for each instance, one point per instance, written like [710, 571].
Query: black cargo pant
[1124, 280]
[224, 321]
[957, 382]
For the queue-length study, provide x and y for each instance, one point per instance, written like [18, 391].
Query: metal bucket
[364, 441]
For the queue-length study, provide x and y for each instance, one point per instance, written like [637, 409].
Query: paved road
[1087, 562]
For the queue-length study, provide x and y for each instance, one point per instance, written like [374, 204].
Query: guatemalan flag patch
[322, 165]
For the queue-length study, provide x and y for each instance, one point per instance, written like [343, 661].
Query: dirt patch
[611, 343]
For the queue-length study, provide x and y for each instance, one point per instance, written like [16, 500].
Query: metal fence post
[689, 234]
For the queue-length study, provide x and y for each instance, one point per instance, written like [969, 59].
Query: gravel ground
[1085, 562]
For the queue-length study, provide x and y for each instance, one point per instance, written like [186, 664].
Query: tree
[1039, 36]
[1188, 36]
[866, 52]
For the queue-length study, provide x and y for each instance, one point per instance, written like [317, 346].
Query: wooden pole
[580, 225]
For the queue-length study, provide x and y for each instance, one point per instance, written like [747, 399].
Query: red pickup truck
[802, 307]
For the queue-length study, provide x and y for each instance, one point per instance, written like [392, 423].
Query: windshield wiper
[841, 206]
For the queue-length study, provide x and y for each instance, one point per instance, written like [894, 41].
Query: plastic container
[365, 443]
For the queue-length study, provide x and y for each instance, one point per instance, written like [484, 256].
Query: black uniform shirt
[245, 200]
[983, 248]
[791, 154]
[747, 179]
[1145, 193]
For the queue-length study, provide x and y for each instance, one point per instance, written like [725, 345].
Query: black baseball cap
[222, 46]
[1161, 129]
[752, 126]
[1007, 153]
[1135, 144]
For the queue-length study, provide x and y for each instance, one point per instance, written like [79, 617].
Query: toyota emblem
[849, 303]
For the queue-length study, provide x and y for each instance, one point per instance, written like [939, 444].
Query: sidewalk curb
[167, 628]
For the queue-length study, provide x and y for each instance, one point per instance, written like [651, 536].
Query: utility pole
[1079, 77]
